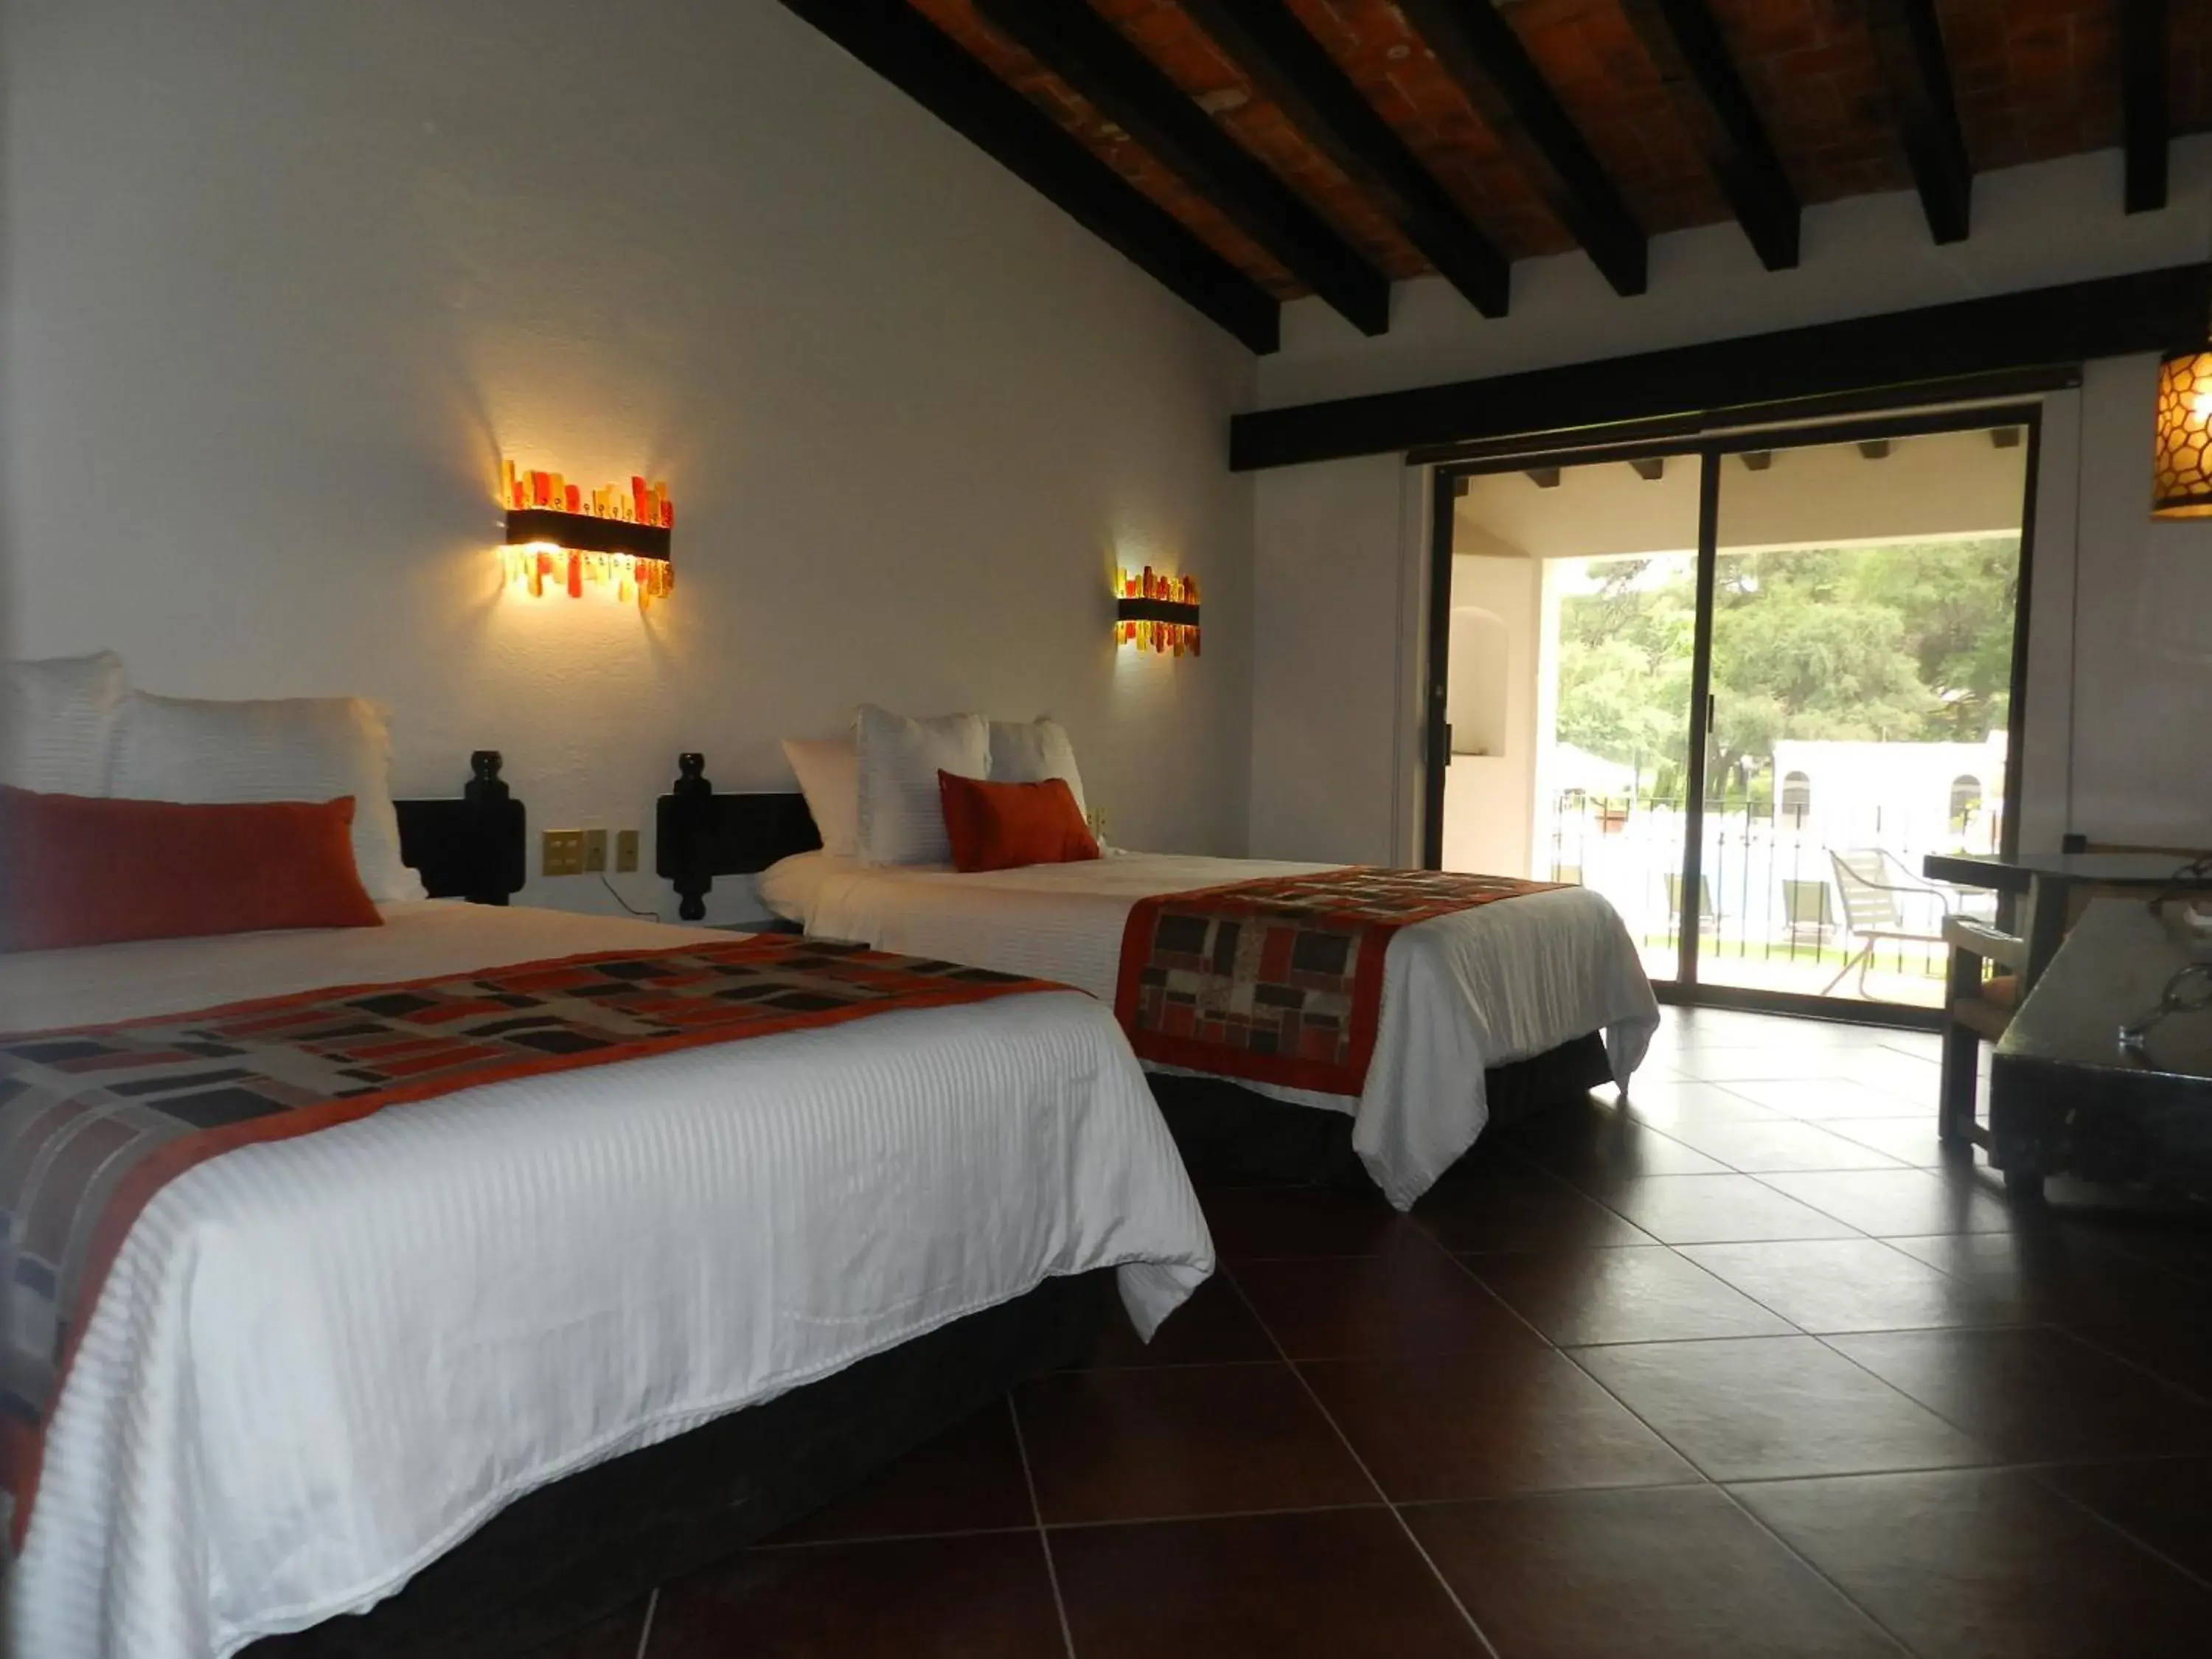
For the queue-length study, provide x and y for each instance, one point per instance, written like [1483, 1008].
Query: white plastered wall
[282, 283]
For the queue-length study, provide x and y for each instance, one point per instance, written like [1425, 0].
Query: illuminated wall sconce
[1156, 613]
[560, 538]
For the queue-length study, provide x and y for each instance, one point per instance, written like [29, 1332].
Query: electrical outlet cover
[562, 853]
[625, 851]
[595, 852]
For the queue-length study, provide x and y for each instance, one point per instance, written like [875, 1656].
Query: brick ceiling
[2033, 79]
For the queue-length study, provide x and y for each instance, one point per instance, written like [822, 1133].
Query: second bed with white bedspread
[1461, 993]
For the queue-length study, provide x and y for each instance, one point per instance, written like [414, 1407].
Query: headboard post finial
[700, 834]
[688, 829]
[474, 848]
[485, 785]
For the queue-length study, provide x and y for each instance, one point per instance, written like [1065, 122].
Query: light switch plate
[625, 851]
[595, 852]
[561, 853]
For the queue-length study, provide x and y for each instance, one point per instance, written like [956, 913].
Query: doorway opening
[1742, 686]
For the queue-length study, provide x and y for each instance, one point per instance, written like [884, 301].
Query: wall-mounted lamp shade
[2181, 462]
[1156, 613]
[560, 537]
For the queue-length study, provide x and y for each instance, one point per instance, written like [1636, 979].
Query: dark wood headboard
[475, 848]
[699, 834]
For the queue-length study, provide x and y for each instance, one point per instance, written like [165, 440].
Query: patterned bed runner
[1280, 980]
[94, 1121]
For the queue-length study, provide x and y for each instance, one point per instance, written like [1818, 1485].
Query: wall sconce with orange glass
[1156, 613]
[559, 538]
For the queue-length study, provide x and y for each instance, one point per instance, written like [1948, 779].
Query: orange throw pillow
[1001, 826]
[77, 871]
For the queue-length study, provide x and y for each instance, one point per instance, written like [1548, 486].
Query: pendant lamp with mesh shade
[2181, 461]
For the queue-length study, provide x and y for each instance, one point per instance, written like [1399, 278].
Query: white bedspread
[320, 1363]
[1461, 993]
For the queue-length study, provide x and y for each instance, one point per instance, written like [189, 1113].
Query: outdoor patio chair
[1706, 910]
[1874, 883]
[1806, 915]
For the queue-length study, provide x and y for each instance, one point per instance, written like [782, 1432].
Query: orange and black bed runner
[95, 1120]
[1280, 980]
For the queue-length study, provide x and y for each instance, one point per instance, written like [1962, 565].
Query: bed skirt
[1229, 1136]
[585, 1546]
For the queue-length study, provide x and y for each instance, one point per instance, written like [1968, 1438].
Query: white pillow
[1030, 752]
[902, 817]
[829, 777]
[183, 749]
[59, 723]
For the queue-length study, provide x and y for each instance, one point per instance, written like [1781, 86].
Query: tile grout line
[1743, 1508]
[1044, 1538]
[794, 1546]
[1360, 1463]
[1105, 1522]
[2002, 1462]
[1740, 1507]
[2032, 1472]
[2090, 1342]
[2105, 1521]
[645, 1630]
[1813, 1567]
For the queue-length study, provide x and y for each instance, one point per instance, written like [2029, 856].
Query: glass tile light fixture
[560, 538]
[1156, 612]
[2181, 460]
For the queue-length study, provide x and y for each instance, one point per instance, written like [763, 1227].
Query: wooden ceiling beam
[2004, 345]
[1692, 56]
[2145, 120]
[1479, 50]
[1915, 73]
[1295, 72]
[1083, 49]
[906, 49]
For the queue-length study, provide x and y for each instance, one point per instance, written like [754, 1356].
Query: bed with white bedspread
[1462, 993]
[319, 1364]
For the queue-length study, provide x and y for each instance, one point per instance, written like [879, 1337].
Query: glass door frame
[1710, 450]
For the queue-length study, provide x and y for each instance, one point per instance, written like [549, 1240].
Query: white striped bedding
[1461, 993]
[320, 1363]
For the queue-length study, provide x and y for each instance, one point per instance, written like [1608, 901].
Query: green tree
[1909, 642]
[1958, 599]
[1624, 667]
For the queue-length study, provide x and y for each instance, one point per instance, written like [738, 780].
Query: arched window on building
[1965, 798]
[1797, 799]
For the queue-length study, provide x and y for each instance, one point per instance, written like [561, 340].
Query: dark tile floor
[1748, 1367]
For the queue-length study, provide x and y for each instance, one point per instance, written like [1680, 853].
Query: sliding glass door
[1864, 601]
[1567, 698]
[1741, 688]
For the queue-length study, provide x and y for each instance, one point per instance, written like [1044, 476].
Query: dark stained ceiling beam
[1916, 72]
[1688, 49]
[2006, 345]
[2145, 120]
[907, 50]
[1485, 59]
[1083, 49]
[1295, 71]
